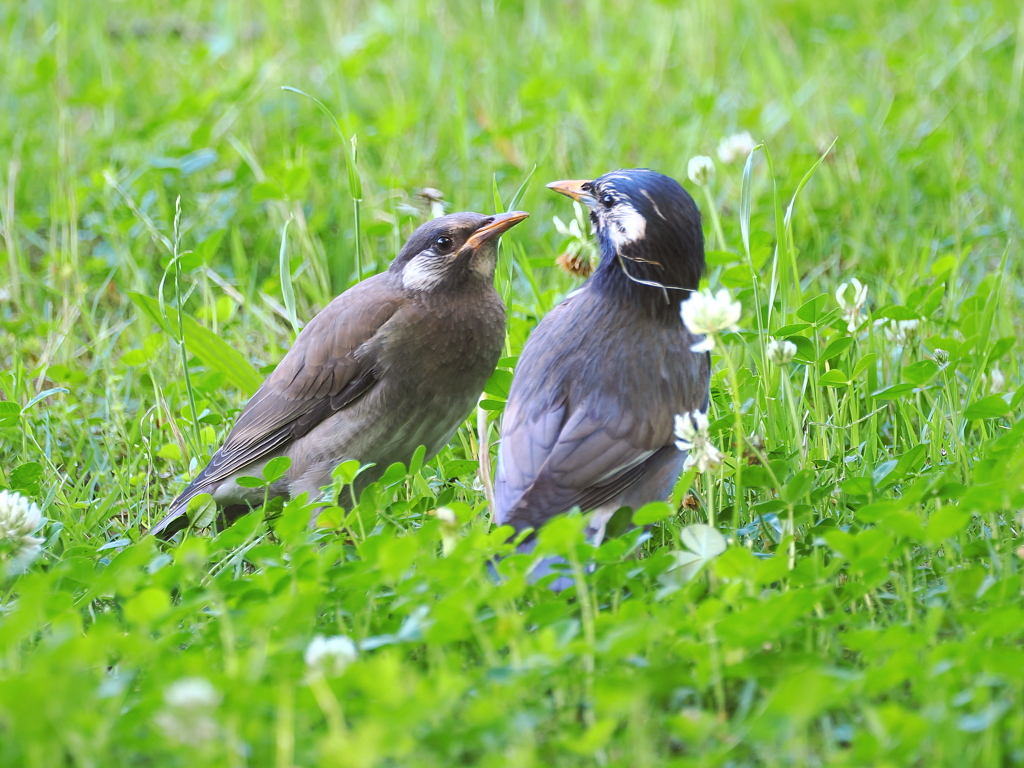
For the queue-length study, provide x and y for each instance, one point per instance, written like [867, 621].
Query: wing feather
[580, 428]
[331, 365]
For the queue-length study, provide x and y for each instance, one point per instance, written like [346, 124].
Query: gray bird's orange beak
[499, 223]
[573, 189]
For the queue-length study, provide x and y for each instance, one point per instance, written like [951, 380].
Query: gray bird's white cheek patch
[626, 226]
[424, 273]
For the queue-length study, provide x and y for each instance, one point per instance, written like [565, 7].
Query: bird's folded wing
[556, 460]
[276, 418]
[331, 364]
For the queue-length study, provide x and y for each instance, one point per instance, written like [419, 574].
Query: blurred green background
[866, 639]
[185, 99]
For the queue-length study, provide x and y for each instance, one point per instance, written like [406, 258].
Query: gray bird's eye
[607, 200]
[444, 243]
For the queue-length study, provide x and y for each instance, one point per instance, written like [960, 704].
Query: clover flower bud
[701, 170]
[781, 352]
[735, 147]
[330, 656]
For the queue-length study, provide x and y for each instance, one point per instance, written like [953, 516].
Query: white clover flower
[330, 656]
[900, 331]
[781, 352]
[449, 529]
[580, 253]
[20, 518]
[191, 693]
[851, 308]
[692, 436]
[994, 382]
[572, 229]
[701, 170]
[188, 716]
[707, 313]
[735, 147]
[941, 357]
[446, 516]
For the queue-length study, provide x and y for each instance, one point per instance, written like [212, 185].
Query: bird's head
[448, 250]
[647, 225]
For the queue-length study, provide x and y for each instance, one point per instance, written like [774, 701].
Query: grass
[868, 609]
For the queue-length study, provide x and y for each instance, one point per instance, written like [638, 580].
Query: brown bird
[589, 419]
[395, 362]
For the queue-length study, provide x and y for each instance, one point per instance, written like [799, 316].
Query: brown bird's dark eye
[607, 201]
[444, 243]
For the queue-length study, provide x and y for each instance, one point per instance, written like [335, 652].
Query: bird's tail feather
[543, 568]
[173, 521]
[553, 565]
[177, 517]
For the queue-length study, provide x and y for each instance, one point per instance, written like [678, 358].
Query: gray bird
[590, 415]
[395, 362]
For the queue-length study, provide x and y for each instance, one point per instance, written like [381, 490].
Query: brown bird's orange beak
[499, 224]
[573, 189]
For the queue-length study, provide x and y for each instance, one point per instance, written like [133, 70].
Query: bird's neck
[645, 298]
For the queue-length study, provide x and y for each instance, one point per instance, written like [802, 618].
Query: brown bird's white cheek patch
[484, 262]
[424, 273]
[625, 225]
[483, 267]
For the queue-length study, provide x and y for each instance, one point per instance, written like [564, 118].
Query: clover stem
[734, 390]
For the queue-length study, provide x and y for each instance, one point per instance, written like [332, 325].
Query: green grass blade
[212, 350]
[287, 292]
